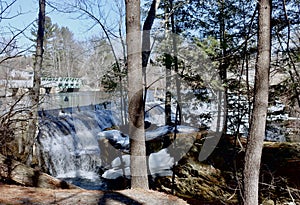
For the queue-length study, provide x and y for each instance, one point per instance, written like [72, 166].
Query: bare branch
[3, 10]
[3, 50]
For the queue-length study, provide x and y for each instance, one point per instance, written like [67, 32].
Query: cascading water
[69, 141]
[69, 145]
[70, 150]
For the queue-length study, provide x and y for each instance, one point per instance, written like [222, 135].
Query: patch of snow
[116, 173]
[160, 164]
[160, 131]
[186, 129]
[118, 163]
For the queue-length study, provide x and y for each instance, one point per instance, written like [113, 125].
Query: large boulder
[15, 172]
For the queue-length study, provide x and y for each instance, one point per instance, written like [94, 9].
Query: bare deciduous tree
[33, 123]
[138, 165]
[259, 114]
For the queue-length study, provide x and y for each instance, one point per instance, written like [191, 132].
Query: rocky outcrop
[218, 180]
[197, 182]
[16, 172]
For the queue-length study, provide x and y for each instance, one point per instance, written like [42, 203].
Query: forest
[191, 98]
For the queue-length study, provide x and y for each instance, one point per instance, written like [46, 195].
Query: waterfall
[68, 140]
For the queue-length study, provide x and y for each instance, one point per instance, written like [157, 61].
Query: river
[75, 99]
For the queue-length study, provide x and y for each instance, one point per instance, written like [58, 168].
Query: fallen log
[21, 174]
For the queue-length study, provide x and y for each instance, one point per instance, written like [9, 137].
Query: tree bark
[146, 45]
[39, 50]
[138, 165]
[259, 114]
[168, 65]
[33, 122]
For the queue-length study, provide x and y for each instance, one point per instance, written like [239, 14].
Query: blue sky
[29, 10]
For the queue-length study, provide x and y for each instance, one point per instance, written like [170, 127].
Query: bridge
[63, 83]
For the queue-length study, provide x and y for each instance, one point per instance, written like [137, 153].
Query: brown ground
[11, 194]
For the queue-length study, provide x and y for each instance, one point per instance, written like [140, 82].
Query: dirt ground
[11, 194]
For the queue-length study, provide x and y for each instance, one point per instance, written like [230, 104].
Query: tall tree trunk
[168, 65]
[138, 165]
[259, 114]
[39, 52]
[33, 123]
[224, 64]
[146, 45]
[122, 91]
[176, 69]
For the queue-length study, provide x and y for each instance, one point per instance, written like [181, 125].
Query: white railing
[46, 82]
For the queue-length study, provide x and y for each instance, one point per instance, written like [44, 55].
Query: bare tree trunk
[39, 51]
[138, 165]
[122, 91]
[146, 45]
[223, 64]
[168, 65]
[168, 98]
[33, 123]
[259, 114]
[176, 67]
